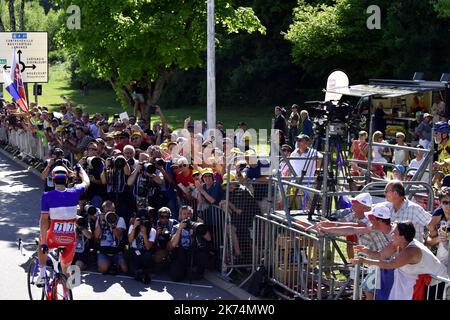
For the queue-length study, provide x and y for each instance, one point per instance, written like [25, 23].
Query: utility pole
[211, 72]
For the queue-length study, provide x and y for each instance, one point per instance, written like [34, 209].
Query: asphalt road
[20, 195]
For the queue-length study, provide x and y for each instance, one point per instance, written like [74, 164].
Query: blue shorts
[110, 258]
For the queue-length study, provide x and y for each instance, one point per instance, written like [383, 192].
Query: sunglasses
[445, 202]
[92, 149]
[164, 216]
[134, 139]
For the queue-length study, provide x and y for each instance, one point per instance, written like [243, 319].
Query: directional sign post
[32, 51]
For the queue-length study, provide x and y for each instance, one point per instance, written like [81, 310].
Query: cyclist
[58, 217]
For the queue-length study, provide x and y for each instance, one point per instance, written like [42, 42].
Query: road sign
[32, 49]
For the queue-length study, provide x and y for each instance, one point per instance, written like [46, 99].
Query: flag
[14, 84]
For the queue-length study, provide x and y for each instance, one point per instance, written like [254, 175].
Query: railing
[25, 143]
[300, 261]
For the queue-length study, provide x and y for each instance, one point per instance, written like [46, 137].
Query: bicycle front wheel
[34, 292]
[59, 289]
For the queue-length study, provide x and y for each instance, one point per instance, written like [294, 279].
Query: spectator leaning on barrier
[413, 264]
[373, 233]
[403, 209]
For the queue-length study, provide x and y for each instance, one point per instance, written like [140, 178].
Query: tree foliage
[36, 19]
[147, 41]
[333, 34]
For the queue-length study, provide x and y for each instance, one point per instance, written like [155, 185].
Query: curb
[20, 163]
[213, 277]
[216, 279]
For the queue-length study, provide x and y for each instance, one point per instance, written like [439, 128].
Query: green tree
[145, 41]
[333, 34]
[443, 8]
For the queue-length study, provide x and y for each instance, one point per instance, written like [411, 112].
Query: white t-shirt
[415, 165]
[309, 165]
[151, 237]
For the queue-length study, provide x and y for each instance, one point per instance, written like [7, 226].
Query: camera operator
[82, 248]
[141, 237]
[188, 246]
[94, 166]
[146, 182]
[56, 159]
[109, 231]
[114, 176]
[168, 187]
[164, 226]
[129, 153]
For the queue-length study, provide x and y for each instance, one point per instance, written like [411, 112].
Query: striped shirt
[411, 211]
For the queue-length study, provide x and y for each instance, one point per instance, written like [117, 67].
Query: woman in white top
[379, 154]
[413, 263]
[400, 156]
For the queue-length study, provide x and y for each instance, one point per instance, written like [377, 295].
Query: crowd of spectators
[152, 187]
[146, 184]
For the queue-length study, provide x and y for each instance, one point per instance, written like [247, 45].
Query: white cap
[363, 198]
[182, 160]
[380, 211]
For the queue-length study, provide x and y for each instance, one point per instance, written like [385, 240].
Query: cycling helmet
[59, 175]
[441, 126]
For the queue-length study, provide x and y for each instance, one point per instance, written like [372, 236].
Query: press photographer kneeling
[189, 243]
[164, 227]
[141, 237]
[82, 248]
[109, 231]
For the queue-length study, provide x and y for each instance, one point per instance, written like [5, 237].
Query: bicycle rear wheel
[34, 292]
[59, 289]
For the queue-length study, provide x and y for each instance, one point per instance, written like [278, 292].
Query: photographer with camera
[141, 238]
[94, 166]
[146, 182]
[189, 247]
[114, 176]
[164, 226]
[109, 231]
[82, 247]
[56, 159]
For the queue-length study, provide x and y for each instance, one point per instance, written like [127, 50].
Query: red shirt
[184, 180]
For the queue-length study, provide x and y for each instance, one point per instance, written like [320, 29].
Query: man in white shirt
[312, 158]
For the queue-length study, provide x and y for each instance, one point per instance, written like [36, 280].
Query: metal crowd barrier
[25, 142]
[303, 263]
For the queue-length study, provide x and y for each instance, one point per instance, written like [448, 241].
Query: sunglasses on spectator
[134, 139]
[164, 216]
[445, 202]
[92, 149]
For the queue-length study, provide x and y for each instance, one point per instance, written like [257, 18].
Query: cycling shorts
[55, 239]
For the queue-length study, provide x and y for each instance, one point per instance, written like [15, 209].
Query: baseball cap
[136, 133]
[225, 178]
[427, 115]
[303, 136]
[207, 171]
[363, 198]
[379, 211]
[400, 168]
[182, 160]
[446, 181]
[286, 146]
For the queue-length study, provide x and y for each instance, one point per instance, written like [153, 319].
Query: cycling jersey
[61, 206]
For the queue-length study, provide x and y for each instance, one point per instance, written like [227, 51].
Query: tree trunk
[22, 15]
[12, 16]
[2, 26]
